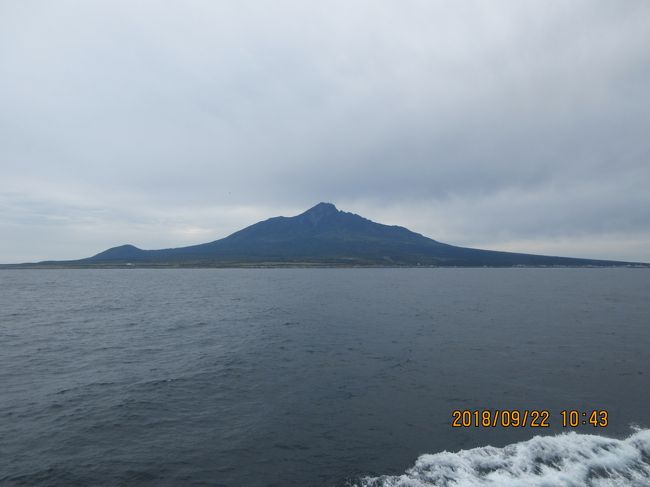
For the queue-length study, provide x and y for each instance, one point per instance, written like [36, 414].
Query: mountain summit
[324, 235]
[320, 212]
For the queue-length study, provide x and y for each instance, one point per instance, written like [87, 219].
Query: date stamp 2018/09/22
[531, 418]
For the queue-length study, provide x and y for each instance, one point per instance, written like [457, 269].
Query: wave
[565, 460]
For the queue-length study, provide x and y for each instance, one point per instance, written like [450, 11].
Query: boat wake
[566, 460]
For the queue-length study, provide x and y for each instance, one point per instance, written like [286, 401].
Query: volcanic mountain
[323, 235]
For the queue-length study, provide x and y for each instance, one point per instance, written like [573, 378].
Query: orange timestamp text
[522, 418]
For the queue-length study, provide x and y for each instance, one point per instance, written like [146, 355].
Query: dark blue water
[314, 377]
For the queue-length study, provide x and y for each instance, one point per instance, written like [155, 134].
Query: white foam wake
[566, 460]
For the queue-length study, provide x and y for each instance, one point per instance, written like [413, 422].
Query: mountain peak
[323, 208]
[320, 212]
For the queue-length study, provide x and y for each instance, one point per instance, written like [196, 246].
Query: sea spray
[565, 460]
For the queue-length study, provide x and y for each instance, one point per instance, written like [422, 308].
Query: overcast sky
[496, 124]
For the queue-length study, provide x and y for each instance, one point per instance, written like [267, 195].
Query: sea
[324, 377]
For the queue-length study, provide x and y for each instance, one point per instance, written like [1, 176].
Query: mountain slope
[325, 235]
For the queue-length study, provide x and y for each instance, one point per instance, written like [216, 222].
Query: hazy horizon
[508, 126]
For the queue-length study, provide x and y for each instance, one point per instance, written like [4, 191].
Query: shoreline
[306, 265]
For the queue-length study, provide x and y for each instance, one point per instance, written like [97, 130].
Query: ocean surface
[321, 377]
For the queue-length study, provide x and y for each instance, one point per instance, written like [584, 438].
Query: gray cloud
[515, 125]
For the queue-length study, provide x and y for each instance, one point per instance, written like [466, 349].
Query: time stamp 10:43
[522, 418]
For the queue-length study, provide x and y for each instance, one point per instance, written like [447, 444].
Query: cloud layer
[514, 125]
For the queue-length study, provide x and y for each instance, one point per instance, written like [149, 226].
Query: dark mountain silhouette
[323, 235]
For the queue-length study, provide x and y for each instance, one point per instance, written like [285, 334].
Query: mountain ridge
[323, 235]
